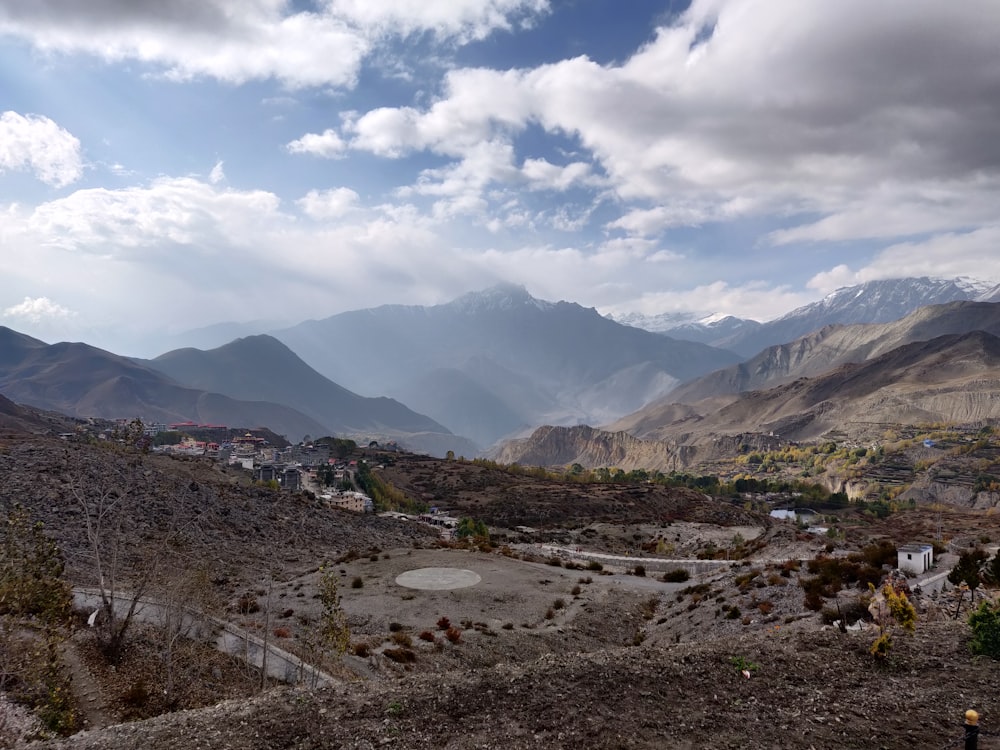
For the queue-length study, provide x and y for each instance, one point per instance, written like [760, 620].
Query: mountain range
[835, 345]
[950, 379]
[494, 363]
[251, 382]
[880, 301]
[497, 363]
[82, 381]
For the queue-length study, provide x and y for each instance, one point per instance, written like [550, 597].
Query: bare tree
[127, 545]
[186, 600]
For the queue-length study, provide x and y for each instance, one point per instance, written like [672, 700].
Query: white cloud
[37, 310]
[328, 204]
[36, 143]
[327, 145]
[227, 41]
[238, 251]
[747, 108]
[543, 175]
[249, 40]
[171, 211]
[217, 174]
[975, 254]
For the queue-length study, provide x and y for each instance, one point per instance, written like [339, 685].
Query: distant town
[270, 460]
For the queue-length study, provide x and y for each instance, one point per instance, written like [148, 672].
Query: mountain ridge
[879, 301]
[951, 379]
[261, 368]
[835, 345]
[80, 380]
[555, 353]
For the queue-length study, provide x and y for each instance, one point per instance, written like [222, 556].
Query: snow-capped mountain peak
[502, 296]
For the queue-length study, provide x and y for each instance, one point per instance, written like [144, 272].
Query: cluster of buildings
[293, 468]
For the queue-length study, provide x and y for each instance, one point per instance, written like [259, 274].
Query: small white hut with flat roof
[915, 558]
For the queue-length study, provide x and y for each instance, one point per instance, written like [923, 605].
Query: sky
[171, 164]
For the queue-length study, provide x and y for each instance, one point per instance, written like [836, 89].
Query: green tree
[31, 571]
[328, 639]
[35, 603]
[985, 624]
[469, 527]
[991, 570]
[968, 568]
[893, 611]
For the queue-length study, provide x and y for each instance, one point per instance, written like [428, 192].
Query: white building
[915, 558]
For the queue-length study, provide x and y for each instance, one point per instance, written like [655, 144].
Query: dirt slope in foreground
[809, 690]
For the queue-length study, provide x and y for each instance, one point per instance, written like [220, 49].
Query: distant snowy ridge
[879, 301]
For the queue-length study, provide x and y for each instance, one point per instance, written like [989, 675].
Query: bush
[361, 649]
[595, 566]
[453, 634]
[443, 623]
[813, 601]
[357, 583]
[677, 575]
[559, 604]
[395, 627]
[282, 633]
[985, 624]
[576, 590]
[402, 639]
[426, 635]
[639, 570]
[400, 655]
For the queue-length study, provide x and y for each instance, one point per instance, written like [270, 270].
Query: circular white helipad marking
[438, 579]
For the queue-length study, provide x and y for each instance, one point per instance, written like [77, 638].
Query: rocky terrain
[549, 647]
[806, 690]
[521, 498]
[211, 512]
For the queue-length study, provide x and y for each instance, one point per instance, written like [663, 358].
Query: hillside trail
[90, 700]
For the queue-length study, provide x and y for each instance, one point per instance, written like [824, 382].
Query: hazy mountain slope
[872, 302]
[952, 378]
[990, 295]
[261, 368]
[714, 330]
[218, 334]
[555, 352]
[705, 329]
[14, 347]
[836, 345]
[19, 418]
[446, 391]
[81, 380]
